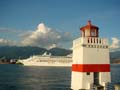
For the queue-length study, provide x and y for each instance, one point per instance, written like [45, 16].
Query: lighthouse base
[89, 80]
[98, 87]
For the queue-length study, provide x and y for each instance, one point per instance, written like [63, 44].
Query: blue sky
[22, 16]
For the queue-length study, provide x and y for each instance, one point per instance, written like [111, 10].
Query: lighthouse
[91, 63]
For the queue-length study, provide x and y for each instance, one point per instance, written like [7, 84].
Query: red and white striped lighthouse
[91, 64]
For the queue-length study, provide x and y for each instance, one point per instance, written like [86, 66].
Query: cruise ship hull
[48, 64]
[39, 60]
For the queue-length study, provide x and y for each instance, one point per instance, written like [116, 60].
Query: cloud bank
[5, 42]
[115, 46]
[46, 37]
[115, 43]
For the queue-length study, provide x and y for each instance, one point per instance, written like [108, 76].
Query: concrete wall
[87, 50]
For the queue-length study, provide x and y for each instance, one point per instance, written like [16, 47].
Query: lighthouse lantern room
[89, 30]
[91, 64]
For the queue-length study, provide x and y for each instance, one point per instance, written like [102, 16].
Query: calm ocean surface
[16, 77]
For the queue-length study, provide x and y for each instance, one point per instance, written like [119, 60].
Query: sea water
[17, 77]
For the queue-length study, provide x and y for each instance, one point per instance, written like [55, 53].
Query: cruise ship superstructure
[47, 60]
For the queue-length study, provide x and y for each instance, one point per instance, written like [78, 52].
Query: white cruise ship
[47, 60]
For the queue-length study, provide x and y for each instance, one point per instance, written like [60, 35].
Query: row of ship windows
[54, 61]
[95, 46]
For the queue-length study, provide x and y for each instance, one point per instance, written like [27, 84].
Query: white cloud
[5, 42]
[115, 43]
[46, 37]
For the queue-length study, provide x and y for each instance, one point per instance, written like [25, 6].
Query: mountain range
[14, 52]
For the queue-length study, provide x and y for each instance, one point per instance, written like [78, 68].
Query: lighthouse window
[88, 73]
[91, 40]
[106, 46]
[88, 45]
[100, 41]
[83, 45]
[91, 45]
[97, 40]
[100, 46]
[88, 40]
[94, 46]
[103, 46]
[94, 40]
[93, 33]
[87, 33]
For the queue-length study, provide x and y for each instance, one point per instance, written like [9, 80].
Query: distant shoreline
[116, 62]
[5, 63]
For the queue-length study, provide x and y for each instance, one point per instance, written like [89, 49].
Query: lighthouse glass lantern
[91, 63]
[89, 30]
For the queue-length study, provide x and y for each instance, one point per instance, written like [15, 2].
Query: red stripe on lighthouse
[91, 67]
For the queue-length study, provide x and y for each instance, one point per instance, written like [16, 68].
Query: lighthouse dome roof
[89, 26]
